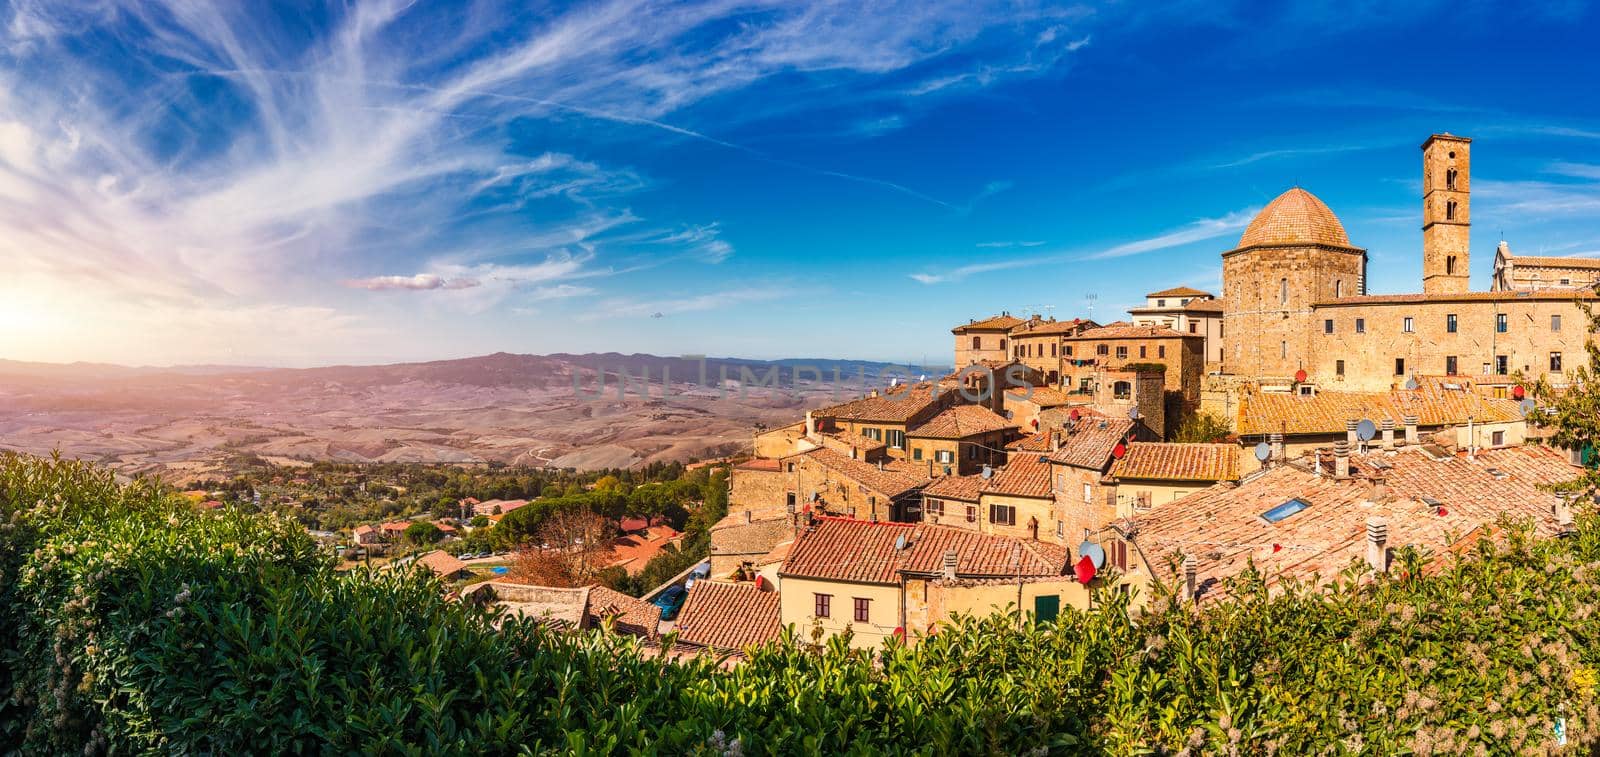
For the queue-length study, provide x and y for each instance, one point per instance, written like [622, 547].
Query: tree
[581, 539]
[1201, 427]
[1573, 413]
[422, 532]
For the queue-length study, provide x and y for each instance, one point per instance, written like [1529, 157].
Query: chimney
[1563, 512]
[1350, 434]
[748, 517]
[1387, 427]
[1055, 441]
[950, 565]
[1411, 429]
[1341, 460]
[1378, 544]
[811, 425]
[1275, 440]
[1190, 568]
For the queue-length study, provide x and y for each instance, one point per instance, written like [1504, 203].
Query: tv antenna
[1088, 303]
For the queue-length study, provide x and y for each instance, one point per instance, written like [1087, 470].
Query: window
[1555, 323]
[1122, 390]
[1052, 350]
[1500, 365]
[1399, 366]
[1283, 349]
[1450, 178]
[863, 609]
[1450, 264]
[1327, 326]
[1500, 324]
[1161, 349]
[933, 508]
[1285, 510]
[1161, 303]
[789, 498]
[1142, 349]
[1450, 365]
[916, 453]
[977, 342]
[1117, 555]
[1450, 323]
[1338, 289]
[897, 438]
[1101, 349]
[1338, 367]
[1283, 291]
[791, 468]
[824, 608]
[1002, 344]
[1003, 515]
[1555, 362]
[944, 456]
[1566, 282]
[1361, 325]
[1497, 439]
[1061, 529]
[972, 513]
[1067, 350]
[1450, 215]
[972, 452]
[1408, 325]
[1122, 353]
[1088, 493]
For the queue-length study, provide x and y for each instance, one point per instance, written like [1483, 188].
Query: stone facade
[988, 339]
[1446, 214]
[1528, 273]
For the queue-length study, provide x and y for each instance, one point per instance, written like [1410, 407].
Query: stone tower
[1293, 255]
[1446, 214]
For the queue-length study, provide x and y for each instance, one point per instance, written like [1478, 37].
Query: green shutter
[1046, 607]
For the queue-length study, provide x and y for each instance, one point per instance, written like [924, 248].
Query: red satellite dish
[1074, 414]
[1300, 376]
[1518, 391]
[1084, 570]
[761, 583]
[1119, 450]
[1277, 547]
[1035, 422]
[900, 632]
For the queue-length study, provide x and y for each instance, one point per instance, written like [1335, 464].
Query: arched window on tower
[1450, 178]
[1283, 291]
[1450, 211]
[1450, 265]
[1338, 289]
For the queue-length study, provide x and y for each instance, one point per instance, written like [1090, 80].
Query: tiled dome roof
[1295, 217]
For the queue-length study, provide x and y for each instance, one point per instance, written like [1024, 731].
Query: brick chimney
[1411, 429]
[1275, 440]
[1378, 544]
[1341, 460]
[1387, 426]
[811, 425]
[950, 559]
[1190, 570]
[1350, 436]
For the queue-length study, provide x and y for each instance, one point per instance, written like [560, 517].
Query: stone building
[1185, 310]
[1095, 353]
[1041, 344]
[977, 341]
[1530, 273]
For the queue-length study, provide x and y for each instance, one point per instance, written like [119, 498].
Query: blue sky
[377, 181]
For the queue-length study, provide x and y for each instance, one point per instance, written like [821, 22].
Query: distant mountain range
[190, 420]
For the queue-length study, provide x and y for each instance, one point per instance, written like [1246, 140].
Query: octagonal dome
[1295, 217]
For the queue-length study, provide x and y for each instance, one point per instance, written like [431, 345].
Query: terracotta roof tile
[630, 615]
[728, 616]
[963, 488]
[1505, 296]
[1051, 327]
[1000, 322]
[1295, 217]
[1539, 261]
[892, 480]
[896, 405]
[1025, 474]
[442, 563]
[1039, 441]
[1091, 442]
[1178, 462]
[960, 422]
[1182, 291]
[579, 607]
[1131, 332]
[841, 549]
[1434, 403]
[1043, 396]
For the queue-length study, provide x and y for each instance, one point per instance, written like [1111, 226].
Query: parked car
[703, 570]
[671, 601]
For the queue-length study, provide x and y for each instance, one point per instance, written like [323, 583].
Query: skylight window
[1285, 510]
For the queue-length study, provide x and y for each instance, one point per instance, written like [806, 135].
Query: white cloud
[418, 282]
[624, 308]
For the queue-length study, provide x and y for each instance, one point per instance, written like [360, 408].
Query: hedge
[132, 623]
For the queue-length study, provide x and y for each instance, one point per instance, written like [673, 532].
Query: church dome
[1295, 217]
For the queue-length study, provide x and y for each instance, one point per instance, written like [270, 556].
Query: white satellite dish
[1528, 406]
[1133, 413]
[1366, 429]
[1263, 451]
[900, 542]
[987, 471]
[1094, 552]
[1411, 382]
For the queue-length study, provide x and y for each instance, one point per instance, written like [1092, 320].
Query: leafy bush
[133, 624]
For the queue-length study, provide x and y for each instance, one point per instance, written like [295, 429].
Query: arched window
[1450, 211]
[1450, 265]
[1283, 291]
[1338, 289]
[1450, 178]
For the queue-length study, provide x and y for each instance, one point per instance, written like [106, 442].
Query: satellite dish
[1119, 450]
[1411, 382]
[1133, 413]
[1528, 406]
[1300, 376]
[1263, 451]
[1365, 430]
[1095, 553]
[987, 472]
[1074, 414]
[900, 542]
[1518, 392]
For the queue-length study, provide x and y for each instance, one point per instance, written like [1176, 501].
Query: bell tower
[1446, 214]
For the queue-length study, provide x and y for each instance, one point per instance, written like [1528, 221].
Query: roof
[1296, 217]
[766, 529]
[765, 464]
[1503, 296]
[894, 405]
[1540, 261]
[1042, 396]
[892, 480]
[1181, 292]
[844, 549]
[633, 551]
[442, 563]
[579, 607]
[1025, 474]
[728, 616]
[1223, 529]
[960, 422]
[1050, 327]
[1193, 306]
[1038, 441]
[963, 488]
[1433, 402]
[1178, 462]
[1133, 332]
[1091, 441]
[1002, 322]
